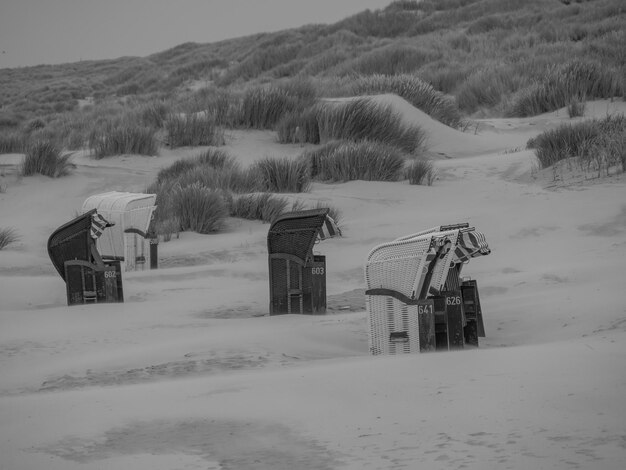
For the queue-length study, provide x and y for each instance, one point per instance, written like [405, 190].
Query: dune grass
[198, 208]
[365, 119]
[576, 108]
[597, 143]
[269, 53]
[421, 172]
[220, 103]
[390, 60]
[262, 107]
[232, 179]
[8, 235]
[562, 83]
[227, 182]
[154, 113]
[259, 206]
[212, 157]
[169, 174]
[299, 127]
[488, 87]
[123, 137]
[216, 158]
[341, 161]
[34, 124]
[282, 175]
[12, 142]
[448, 44]
[244, 192]
[45, 158]
[192, 130]
[420, 94]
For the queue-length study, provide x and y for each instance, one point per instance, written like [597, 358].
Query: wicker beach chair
[414, 290]
[127, 240]
[72, 250]
[297, 275]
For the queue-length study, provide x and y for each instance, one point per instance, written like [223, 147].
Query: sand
[191, 372]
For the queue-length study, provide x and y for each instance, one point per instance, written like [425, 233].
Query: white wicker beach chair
[402, 274]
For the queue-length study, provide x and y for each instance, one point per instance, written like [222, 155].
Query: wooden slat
[426, 320]
[456, 320]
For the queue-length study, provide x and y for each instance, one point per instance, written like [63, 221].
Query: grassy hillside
[452, 59]
[482, 57]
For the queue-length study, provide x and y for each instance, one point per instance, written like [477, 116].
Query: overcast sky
[34, 32]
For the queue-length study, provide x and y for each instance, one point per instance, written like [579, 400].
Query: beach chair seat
[473, 312]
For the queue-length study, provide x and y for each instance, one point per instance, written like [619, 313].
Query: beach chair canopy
[470, 242]
[129, 212]
[418, 265]
[75, 240]
[295, 233]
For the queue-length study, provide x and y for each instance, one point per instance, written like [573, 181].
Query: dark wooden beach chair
[297, 275]
[72, 250]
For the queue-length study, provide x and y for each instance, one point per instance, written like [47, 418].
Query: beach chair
[72, 250]
[416, 299]
[297, 275]
[127, 240]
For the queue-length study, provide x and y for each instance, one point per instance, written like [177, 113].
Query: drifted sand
[191, 373]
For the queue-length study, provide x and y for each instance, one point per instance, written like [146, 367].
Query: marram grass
[45, 158]
[7, 236]
[365, 119]
[341, 161]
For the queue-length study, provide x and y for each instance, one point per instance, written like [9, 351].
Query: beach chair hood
[418, 265]
[295, 233]
[75, 240]
[129, 212]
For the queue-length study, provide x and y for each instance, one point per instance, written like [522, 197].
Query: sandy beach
[191, 372]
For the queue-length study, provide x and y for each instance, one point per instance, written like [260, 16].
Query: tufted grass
[341, 161]
[183, 188]
[192, 130]
[12, 142]
[45, 158]
[421, 172]
[419, 93]
[364, 119]
[600, 143]
[560, 84]
[198, 208]
[282, 175]
[8, 235]
[121, 138]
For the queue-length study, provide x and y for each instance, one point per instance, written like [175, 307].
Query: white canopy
[130, 212]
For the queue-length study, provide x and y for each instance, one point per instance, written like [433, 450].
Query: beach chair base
[89, 283]
[399, 325]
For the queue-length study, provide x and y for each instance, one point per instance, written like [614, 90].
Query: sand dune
[191, 373]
